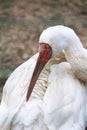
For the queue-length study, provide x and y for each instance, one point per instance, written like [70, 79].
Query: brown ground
[22, 21]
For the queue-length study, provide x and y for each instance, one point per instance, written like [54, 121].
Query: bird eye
[44, 47]
[47, 46]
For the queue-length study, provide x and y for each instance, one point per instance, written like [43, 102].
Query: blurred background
[22, 21]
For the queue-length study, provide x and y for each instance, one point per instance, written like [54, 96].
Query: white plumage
[59, 98]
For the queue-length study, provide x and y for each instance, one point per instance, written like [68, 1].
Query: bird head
[51, 42]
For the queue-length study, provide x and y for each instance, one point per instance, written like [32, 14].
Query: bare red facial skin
[45, 53]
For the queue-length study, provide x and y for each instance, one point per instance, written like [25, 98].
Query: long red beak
[45, 53]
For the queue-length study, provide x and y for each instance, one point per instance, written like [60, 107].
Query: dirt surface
[22, 21]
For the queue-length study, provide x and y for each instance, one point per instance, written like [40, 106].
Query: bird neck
[73, 55]
[74, 50]
[77, 57]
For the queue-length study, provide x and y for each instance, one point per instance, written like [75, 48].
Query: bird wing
[65, 99]
[16, 85]
[31, 114]
[15, 113]
[14, 92]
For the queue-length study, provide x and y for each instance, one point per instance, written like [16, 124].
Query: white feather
[65, 100]
[59, 99]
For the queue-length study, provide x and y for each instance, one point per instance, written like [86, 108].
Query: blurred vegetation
[22, 21]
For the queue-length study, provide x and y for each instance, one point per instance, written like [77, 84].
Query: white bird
[59, 98]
